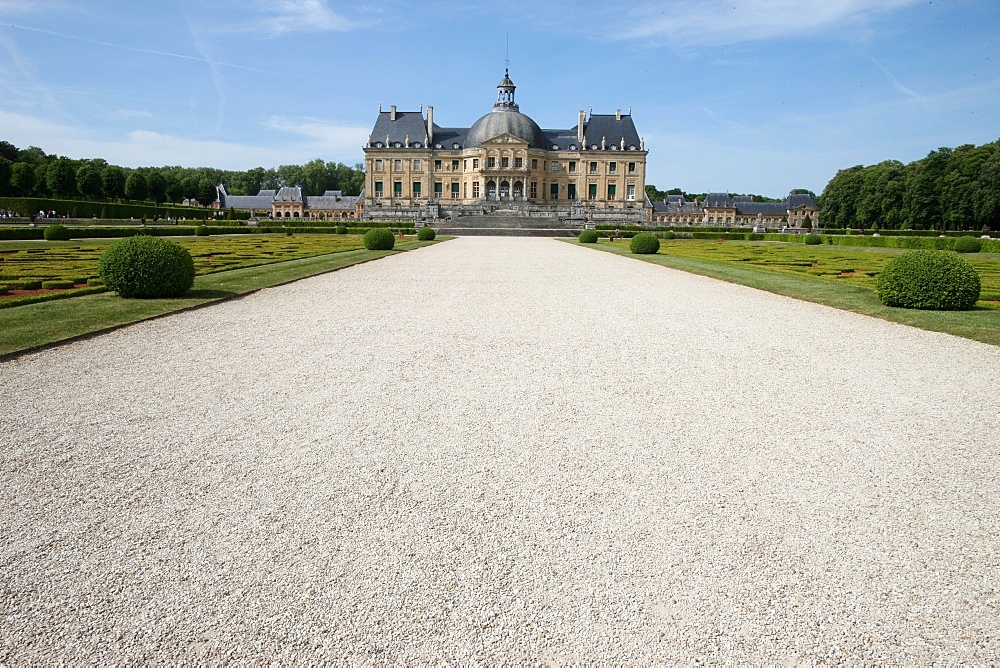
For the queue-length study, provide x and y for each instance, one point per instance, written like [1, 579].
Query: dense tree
[42, 180]
[5, 173]
[136, 186]
[840, 198]
[923, 186]
[22, 178]
[174, 190]
[157, 186]
[61, 178]
[88, 182]
[113, 182]
[987, 197]
[9, 152]
[32, 155]
[206, 192]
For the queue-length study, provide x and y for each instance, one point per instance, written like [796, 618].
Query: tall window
[630, 192]
[554, 191]
[475, 189]
[454, 165]
[533, 189]
[612, 192]
[555, 166]
[631, 168]
[534, 164]
[592, 191]
[505, 162]
[519, 162]
[378, 165]
[491, 163]
[416, 165]
[475, 163]
[378, 190]
[397, 188]
[572, 166]
[397, 165]
[438, 189]
[437, 165]
[612, 167]
[593, 168]
[454, 190]
[416, 188]
[571, 192]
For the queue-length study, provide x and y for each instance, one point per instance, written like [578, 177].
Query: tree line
[950, 189]
[31, 172]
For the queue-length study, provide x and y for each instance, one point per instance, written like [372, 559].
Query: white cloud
[143, 148]
[692, 24]
[281, 17]
[129, 114]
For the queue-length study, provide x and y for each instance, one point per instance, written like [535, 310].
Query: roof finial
[506, 60]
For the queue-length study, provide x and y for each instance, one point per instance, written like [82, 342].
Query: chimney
[430, 124]
[579, 126]
[392, 113]
[618, 114]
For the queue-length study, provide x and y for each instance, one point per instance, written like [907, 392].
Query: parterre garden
[31, 270]
[855, 266]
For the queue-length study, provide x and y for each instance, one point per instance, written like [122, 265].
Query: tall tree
[61, 178]
[157, 185]
[839, 201]
[987, 194]
[5, 173]
[22, 178]
[207, 193]
[113, 182]
[9, 151]
[136, 186]
[88, 181]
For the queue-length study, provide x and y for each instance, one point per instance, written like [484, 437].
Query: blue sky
[742, 96]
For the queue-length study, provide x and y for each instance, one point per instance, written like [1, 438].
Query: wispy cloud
[691, 24]
[280, 17]
[130, 114]
[897, 85]
[153, 52]
[325, 135]
[143, 148]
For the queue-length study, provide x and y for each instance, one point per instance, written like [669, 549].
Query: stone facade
[290, 203]
[723, 210]
[416, 169]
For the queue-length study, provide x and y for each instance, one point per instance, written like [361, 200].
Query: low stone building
[724, 210]
[290, 203]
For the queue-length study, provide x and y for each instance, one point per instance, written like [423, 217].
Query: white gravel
[503, 450]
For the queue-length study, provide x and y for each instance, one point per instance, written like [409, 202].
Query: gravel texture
[503, 450]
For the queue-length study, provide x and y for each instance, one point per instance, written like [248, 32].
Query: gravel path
[503, 450]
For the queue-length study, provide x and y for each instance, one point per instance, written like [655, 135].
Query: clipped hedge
[146, 267]
[201, 231]
[967, 245]
[426, 234]
[931, 280]
[57, 285]
[56, 233]
[588, 237]
[644, 243]
[379, 238]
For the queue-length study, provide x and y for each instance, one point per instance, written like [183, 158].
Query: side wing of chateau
[505, 162]
[722, 209]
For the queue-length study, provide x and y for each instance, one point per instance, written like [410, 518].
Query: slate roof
[337, 202]
[289, 194]
[407, 124]
[261, 200]
[612, 130]
[795, 201]
[762, 208]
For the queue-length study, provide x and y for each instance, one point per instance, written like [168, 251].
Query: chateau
[721, 209]
[505, 162]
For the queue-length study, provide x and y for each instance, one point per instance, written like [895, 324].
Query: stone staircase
[508, 226]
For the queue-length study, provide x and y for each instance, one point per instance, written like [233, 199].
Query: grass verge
[32, 326]
[980, 324]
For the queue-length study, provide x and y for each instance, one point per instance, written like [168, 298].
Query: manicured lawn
[33, 325]
[837, 276]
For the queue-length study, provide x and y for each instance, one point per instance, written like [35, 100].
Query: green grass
[787, 269]
[32, 326]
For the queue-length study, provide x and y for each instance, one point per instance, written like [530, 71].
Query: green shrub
[57, 285]
[588, 237]
[379, 238]
[645, 243]
[146, 267]
[341, 229]
[201, 231]
[95, 282]
[932, 280]
[669, 235]
[813, 239]
[56, 233]
[426, 234]
[968, 245]
[3, 291]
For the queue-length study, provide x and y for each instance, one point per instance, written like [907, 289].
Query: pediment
[506, 139]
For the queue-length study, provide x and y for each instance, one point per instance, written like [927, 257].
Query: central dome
[513, 123]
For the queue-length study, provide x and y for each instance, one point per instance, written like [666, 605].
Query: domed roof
[513, 123]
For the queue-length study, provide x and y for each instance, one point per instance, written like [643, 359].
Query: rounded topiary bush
[341, 229]
[588, 237]
[926, 279]
[56, 233]
[645, 243]
[813, 239]
[379, 238]
[201, 231]
[426, 234]
[669, 235]
[146, 267]
[968, 245]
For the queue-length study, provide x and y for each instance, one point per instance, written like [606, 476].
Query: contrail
[137, 50]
